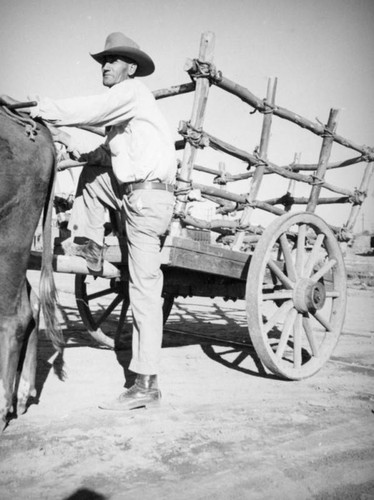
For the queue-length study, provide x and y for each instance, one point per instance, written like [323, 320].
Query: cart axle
[309, 295]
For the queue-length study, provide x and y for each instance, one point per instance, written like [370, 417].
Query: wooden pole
[293, 167]
[260, 169]
[196, 121]
[175, 90]
[355, 210]
[327, 143]
[270, 168]
[258, 104]
[72, 265]
[283, 200]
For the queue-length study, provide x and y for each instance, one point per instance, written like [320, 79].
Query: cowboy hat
[121, 45]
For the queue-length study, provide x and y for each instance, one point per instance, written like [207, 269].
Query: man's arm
[99, 156]
[115, 106]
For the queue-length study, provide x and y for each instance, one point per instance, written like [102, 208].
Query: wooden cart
[291, 275]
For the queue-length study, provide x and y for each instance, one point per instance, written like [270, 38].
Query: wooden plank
[207, 258]
[183, 253]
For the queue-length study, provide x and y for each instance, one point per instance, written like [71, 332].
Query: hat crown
[121, 45]
[118, 39]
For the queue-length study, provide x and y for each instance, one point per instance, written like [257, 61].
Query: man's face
[116, 69]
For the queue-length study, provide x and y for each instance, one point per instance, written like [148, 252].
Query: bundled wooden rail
[203, 75]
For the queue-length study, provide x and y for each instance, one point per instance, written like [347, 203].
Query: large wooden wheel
[296, 295]
[104, 307]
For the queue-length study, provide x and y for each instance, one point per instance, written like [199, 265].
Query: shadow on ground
[225, 340]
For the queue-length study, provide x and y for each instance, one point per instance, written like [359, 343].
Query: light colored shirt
[137, 134]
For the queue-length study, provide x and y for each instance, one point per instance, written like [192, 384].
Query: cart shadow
[220, 331]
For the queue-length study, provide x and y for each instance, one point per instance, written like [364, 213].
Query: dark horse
[27, 170]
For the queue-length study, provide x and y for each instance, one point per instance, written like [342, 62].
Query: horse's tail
[47, 287]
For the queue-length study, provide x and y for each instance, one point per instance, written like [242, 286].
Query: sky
[321, 52]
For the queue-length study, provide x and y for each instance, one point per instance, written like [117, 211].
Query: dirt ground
[225, 429]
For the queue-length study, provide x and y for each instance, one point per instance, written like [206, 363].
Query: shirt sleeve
[112, 108]
[100, 156]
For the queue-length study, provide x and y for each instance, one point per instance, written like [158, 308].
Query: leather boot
[143, 394]
[91, 251]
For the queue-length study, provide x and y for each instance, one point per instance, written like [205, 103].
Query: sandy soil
[225, 429]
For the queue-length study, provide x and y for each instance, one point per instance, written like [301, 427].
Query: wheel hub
[309, 295]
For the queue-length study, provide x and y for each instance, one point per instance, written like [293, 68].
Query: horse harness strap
[27, 122]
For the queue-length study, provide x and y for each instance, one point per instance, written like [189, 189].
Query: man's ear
[132, 68]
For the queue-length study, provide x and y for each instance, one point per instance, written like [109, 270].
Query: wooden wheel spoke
[240, 358]
[280, 274]
[287, 328]
[324, 270]
[280, 295]
[313, 255]
[326, 324]
[300, 251]
[97, 295]
[109, 309]
[297, 333]
[278, 315]
[228, 351]
[291, 271]
[310, 336]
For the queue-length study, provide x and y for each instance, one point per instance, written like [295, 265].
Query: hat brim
[145, 64]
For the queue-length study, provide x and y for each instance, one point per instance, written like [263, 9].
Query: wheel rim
[296, 295]
[104, 307]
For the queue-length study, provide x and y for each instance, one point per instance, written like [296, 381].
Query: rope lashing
[314, 180]
[183, 190]
[268, 108]
[343, 234]
[368, 155]
[197, 138]
[326, 131]
[222, 179]
[260, 159]
[287, 200]
[357, 197]
[202, 69]
[265, 109]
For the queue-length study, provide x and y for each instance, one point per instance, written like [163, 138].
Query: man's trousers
[147, 215]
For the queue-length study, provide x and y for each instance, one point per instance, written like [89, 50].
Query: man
[134, 171]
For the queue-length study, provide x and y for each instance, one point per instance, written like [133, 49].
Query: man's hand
[65, 139]
[60, 135]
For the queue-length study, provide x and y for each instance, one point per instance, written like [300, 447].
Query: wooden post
[196, 121]
[260, 169]
[222, 174]
[291, 187]
[355, 210]
[324, 156]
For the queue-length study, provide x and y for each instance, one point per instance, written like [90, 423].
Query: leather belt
[133, 186]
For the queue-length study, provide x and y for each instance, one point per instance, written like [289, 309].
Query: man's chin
[108, 82]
